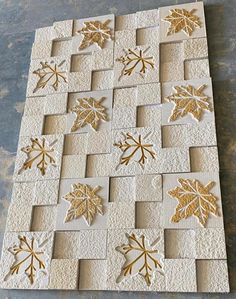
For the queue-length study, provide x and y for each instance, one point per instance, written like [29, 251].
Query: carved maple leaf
[39, 153]
[28, 258]
[141, 258]
[194, 200]
[95, 32]
[83, 202]
[135, 150]
[49, 74]
[188, 99]
[135, 61]
[182, 20]
[88, 111]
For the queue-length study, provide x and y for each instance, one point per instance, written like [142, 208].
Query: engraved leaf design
[182, 20]
[136, 61]
[49, 74]
[188, 99]
[88, 111]
[194, 200]
[40, 154]
[95, 32]
[83, 202]
[29, 259]
[135, 149]
[141, 258]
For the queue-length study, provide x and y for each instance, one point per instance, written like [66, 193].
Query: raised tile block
[148, 187]
[31, 125]
[195, 48]
[64, 274]
[19, 217]
[73, 166]
[55, 104]
[122, 189]
[196, 69]
[62, 29]
[46, 192]
[121, 215]
[124, 117]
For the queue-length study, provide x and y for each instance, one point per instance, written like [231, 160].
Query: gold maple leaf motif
[39, 153]
[135, 150]
[136, 61]
[95, 32]
[28, 258]
[83, 202]
[194, 200]
[141, 258]
[182, 19]
[88, 111]
[49, 74]
[188, 99]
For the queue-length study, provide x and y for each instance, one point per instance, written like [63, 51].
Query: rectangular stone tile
[122, 189]
[149, 215]
[19, 217]
[195, 48]
[73, 166]
[66, 245]
[54, 124]
[204, 159]
[121, 215]
[148, 188]
[55, 104]
[46, 192]
[31, 125]
[43, 218]
[196, 69]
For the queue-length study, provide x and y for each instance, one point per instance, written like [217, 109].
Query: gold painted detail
[28, 258]
[88, 111]
[135, 149]
[49, 74]
[182, 20]
[141, 258]
[40, 154]
[95, 32]
[194, 200]
[136, 61]
[83, 202]
[188, 99]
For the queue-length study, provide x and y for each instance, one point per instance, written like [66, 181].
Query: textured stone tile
[116, 260]
[180, 244]
[92, 244]
[43, 34]
[212, 276]
[180, 275]
[148, 94]
[61, 47]
[170, 181]
[147, 36]
[147, 18]
[63, 66]
[125, 39]
[66, 245]
[99, 142]
[99, 219]
[79, 81]
[62, 29]
[64, 274]
[23, 193]
[168, 89]
[195, 48]
[55, 104]
[122, 189]
[149, 116]
[54, 124]
[210, 244]
[204, 159]
[124, 117]
[46, 192]
[43, 242]
[76, 144]
[102, 80]
[148, 187]
[121, 215]
[125, 97]
[31, 125]
[126, 22]
[82, 62]
[103, 59]
[198, 32]
[54, 142]
[189, 135]
[73, 166]
[34, 106]
[44, 218]
[172, 52]
[172, 71]
[149, 215]
[41, 49]
[19, 217]
[92, 274]
[98, 165]
[136, 77]
[194, 69]
[79, 24]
